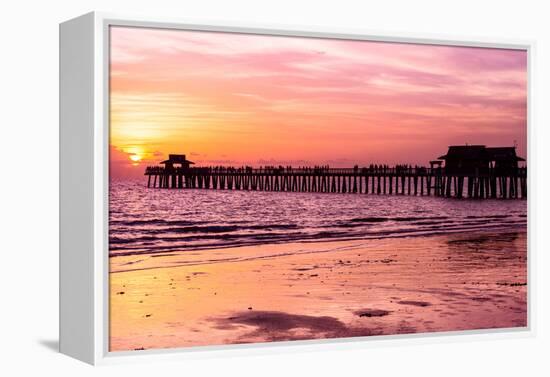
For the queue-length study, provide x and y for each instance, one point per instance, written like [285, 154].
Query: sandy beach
[315, 290]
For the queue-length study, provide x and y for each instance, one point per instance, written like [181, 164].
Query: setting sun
[135, 157]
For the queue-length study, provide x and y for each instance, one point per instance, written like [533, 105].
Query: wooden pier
[509, 183]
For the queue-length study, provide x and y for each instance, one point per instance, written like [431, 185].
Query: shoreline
[132, 259]
[373, 236]
[352, 288]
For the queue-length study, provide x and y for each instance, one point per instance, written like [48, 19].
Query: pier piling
[418, 181]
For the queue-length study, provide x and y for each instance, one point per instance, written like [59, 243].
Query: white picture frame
[84, 139]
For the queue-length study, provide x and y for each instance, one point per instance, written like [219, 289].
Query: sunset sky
[234, 99]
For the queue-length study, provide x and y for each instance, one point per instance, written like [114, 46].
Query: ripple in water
[150, 221]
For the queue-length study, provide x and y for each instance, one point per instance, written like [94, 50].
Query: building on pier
[479, 159]
[465, 159]
[504, 158]
[177, 159]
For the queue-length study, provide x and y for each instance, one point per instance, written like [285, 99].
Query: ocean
[147, 221]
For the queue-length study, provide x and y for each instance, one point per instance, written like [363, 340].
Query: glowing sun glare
[135, 157]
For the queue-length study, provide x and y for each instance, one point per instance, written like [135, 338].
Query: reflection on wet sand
[278, 326]
[323, 290]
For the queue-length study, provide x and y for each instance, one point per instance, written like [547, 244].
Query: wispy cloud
[248, 96]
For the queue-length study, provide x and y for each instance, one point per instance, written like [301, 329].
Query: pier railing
[375, 179]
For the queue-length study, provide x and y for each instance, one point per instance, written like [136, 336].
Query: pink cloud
[361, 100]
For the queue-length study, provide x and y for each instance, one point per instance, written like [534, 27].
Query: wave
[155, 222]
[153, 244]
[144, 222]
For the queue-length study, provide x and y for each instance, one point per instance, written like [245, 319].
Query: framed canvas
[230, 189]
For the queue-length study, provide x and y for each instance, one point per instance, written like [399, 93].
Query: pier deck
[417, 181]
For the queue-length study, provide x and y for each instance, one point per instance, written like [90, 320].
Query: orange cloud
[247, 99]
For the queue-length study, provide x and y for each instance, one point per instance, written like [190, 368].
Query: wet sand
[319, 290]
